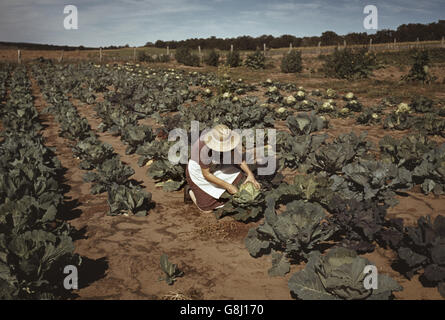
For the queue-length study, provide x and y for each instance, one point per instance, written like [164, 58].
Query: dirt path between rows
[211, 253]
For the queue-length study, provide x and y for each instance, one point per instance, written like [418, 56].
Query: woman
[209, 177]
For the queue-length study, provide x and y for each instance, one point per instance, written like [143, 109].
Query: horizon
[135, 22]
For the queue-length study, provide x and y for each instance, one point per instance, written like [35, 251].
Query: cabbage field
[86, 181]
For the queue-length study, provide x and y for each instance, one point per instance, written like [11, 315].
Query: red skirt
[204, 201]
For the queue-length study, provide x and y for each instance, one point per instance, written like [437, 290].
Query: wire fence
[132, 54]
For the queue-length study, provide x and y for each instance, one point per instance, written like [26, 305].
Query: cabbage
[273, 89]
[349, 96]
[247, 204]
[290, 100]
[247, 194]
[300, 95]
[403, 108]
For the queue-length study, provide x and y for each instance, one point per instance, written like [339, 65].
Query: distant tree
[405, 32]
[329, 38]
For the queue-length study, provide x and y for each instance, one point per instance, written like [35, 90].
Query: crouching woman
[209, 176]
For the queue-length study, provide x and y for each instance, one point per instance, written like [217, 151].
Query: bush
[348, 64]
[184, 55]
[255, 60]
[291, 62]
[163, 58]
[212, 59]
[420, 70]
[144, 57]
[233, 59]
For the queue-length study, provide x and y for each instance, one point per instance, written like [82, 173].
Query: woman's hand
[251, 178]
[231, 189]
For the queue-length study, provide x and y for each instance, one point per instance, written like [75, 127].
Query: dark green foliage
[255, 60]
[185, 56]
[354, 106]
[154, 150]
[423, 247]
[349, 64]
[109, 172]
[128, 200]
[170, 270]
[420, 69]
[339, 275]
[233, 59]
[136, 135]
[163, 58]
[398, 121]
[359, 223]
[246, 113]
[291, 62]
[245, 205]
[371, 180]
[430, 124]
[35, 245]
[293, 150]
[296, 231]
[92, 152]
[408, 151]
[431, 171]
[145, 57]
[422, 104]
[212, 59]
[305, 123]
[169, 176]
[332, 157]
[370, 116]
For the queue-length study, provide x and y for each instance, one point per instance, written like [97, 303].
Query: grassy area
[128, 52]
[403, 58]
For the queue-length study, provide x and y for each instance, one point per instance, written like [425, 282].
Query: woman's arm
[250, 176]
[213, 179]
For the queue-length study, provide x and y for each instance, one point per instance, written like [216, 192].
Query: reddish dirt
[210, 252]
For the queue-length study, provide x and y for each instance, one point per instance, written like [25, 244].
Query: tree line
[404, 33]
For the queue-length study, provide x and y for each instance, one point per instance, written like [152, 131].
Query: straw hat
[221, 138]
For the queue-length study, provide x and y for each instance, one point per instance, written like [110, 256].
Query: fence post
[168, 50]
[264, 48]
[344, 43]
[61, 57]
[319, 47]
[231, 48]
[200, 55]
[395, 43]
[100, 54]
[370, 44]
[290, 46]
[19, 57]
[134, 54]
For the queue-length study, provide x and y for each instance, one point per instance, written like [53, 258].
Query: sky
[135, 22]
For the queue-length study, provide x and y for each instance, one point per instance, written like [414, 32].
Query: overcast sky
[118, 22]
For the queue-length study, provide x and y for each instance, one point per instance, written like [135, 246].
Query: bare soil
[211, 252]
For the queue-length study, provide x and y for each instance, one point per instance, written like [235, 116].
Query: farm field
[361, 162]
